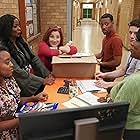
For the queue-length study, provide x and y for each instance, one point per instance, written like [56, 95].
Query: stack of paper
[77, 55]
[82, 100]
[88, 86]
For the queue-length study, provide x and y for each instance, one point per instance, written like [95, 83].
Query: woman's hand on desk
[64, 49]
[49, 80]
[42, 96]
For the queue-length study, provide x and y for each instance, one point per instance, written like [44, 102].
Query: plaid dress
[9, 100]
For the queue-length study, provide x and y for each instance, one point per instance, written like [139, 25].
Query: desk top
[60, 98]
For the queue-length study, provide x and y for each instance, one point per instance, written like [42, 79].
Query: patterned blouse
[9, 100]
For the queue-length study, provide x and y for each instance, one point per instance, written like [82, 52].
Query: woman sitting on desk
[29, 72]
[10, 98]
[52, 45]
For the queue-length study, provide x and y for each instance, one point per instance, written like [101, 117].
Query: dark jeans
[131, 135]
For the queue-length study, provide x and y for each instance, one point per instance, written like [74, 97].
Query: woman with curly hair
[23, 59]
[52, 45]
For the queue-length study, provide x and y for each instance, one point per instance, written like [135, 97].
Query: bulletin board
[31, 14]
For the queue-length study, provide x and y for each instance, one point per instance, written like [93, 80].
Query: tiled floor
[88, 38]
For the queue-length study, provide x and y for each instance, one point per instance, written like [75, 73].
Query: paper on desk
[77, 55]
[89, 98]
[82, 100]
[82, 54]
[68, 104]
[88, 86]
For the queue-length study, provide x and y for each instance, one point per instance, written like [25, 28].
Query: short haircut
[135, 22]
[107, 15]
[2, 48]
[138, 35]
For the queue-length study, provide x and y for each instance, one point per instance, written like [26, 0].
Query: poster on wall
[29, 13]
[28, 2]
[32, 20]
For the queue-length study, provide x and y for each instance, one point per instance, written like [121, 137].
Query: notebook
[88, 86]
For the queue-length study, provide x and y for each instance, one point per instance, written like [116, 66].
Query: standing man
[131, 66]
[111, 52]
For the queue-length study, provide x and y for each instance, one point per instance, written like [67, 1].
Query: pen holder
[73, 90]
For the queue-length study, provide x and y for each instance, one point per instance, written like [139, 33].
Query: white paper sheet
[88, 86]
[82, 100]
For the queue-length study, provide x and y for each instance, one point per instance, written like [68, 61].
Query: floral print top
[9, 100]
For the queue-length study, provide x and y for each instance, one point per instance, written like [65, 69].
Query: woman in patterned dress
[10, 98]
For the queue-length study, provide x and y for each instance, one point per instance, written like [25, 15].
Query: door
[87, 13]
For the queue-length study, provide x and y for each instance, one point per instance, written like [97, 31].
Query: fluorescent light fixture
[120, 1]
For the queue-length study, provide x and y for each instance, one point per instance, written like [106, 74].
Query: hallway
[88, 36]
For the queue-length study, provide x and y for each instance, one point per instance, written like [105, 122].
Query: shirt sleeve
[38, 66]
[127, 91]
[117, 46]
[73, 50]
[29, 83]
[46, 51]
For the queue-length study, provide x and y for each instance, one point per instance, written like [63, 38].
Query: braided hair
[6, 25]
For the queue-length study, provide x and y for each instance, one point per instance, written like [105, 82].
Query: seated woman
[23, 59]
[10, 98]
[52, 45]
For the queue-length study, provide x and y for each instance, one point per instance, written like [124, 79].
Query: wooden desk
[60, 98]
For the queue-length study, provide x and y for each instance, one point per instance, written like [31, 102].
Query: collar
[111, 34]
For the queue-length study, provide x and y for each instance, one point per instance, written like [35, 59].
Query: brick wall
[9, 7]
[53, 12]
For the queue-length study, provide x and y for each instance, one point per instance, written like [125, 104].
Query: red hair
[49, 31]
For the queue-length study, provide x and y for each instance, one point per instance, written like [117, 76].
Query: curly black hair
[6, 25]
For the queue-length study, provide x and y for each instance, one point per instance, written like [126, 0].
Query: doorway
[87, 13]
[87, 10]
